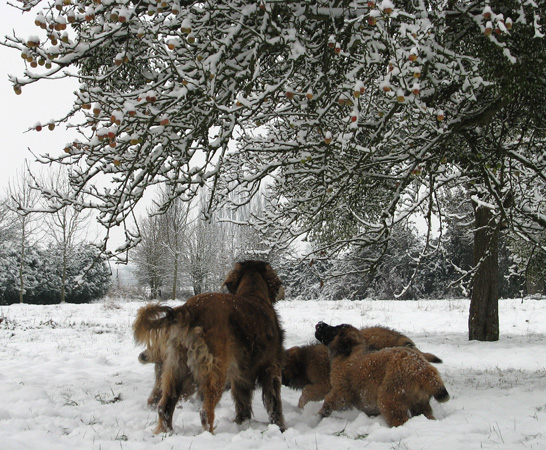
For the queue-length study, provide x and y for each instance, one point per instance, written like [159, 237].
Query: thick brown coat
[397, 383]
[307, 367]
[216, 338]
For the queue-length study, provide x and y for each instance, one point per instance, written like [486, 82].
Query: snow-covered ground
[70, 379]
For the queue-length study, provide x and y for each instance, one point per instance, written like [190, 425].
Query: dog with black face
[397, 382]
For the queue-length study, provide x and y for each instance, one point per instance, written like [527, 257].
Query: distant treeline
[87, 277]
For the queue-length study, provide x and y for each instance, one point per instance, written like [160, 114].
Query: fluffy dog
[215, 338]
[308, 367]
[397, 383]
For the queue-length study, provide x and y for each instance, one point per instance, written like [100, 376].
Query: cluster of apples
[291, 93]
[70, 147]
[385, 85]
[334, 45]
[495, 22]
[121, 15]
[121, 58]
[30, 52]
[386, 7]
[162, 6]
[108, 134]
[50, 125]
[56, 31]
[35, 60]
[60, 3]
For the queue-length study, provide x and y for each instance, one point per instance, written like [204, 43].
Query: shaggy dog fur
[397, 383]
[308, 367]
[215, 338]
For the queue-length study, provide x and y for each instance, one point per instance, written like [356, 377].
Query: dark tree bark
[483, 321]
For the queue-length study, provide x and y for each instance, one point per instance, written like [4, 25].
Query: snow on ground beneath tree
[70, 378]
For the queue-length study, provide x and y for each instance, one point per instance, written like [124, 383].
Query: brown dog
[217, 337]
[308, 367]
[395, 382]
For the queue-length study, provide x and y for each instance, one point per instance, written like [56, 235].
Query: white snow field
[70, 379]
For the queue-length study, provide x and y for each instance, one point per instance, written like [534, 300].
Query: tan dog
[308, 367]
[397, 383]
[217, 337]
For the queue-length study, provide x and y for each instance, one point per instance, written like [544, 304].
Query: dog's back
[241, 332]
[303, 365]
[379, 337]
[390, 369]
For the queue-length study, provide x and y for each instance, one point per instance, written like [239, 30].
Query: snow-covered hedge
[88, 278]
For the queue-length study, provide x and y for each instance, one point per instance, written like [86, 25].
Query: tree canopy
[355, 113]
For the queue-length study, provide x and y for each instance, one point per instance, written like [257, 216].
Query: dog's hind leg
[212, 393]
[173, 373]
[170, 388]
[155, 395]
[313, 393]
[270, 381]
[393, 411]
[422, 408]
[165, 411]
[335, 400]
[241, 393]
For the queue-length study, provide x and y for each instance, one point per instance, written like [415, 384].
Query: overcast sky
[38, 103]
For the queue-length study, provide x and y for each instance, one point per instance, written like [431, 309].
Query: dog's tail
[435, 384]
[151, 328]
[150, 318]
[441, 395]
[432, 358]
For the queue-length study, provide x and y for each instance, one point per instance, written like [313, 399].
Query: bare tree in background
[22, 199]
[8, 222]
[204, 246]
[149, 256]
[180, 248]
[175, 224]
[67, 225]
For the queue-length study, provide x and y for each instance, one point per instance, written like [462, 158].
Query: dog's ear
[344, 342]
[274, 284]
[233, 279]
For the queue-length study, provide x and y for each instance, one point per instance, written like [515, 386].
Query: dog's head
[293, 366]
[145, 357]
[340, 339]
[273, 282]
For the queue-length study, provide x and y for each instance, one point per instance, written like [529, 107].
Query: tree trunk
[197, 285]
[175, 273]
[21, 268]
[63, 275]
[483, 322]
[154, 288]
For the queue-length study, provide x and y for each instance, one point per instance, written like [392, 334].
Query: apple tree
[356, 114]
